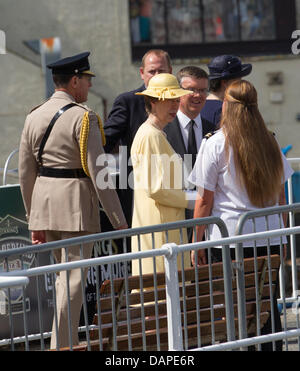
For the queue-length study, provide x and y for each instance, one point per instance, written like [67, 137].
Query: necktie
[192, 146]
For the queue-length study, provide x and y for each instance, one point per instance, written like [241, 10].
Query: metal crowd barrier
[265, 213]
[243, 340]
[291, 191]
[170, 251]
[292, 209]
[125, 258]
[6, 171]
[42, 271]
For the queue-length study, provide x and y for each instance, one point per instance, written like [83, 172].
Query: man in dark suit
[187, 130]
[127, 114]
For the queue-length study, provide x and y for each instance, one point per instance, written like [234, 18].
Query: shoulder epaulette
[36, 107]
[85, 107]
[210, 134]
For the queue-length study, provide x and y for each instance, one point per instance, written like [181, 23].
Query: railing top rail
[265, 212]
[86, 263]
[5, 170]
[164, 250]
[240, 343]
[111, 235]
[240, 238]
[293, 159]
[7, 282]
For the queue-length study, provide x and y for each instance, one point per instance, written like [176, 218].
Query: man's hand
[38, 237]
[125, 226]
[201, 257]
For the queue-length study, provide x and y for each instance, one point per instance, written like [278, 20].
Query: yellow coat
[158, 194]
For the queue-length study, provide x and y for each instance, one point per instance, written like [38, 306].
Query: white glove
[191, 205]
[191, 197]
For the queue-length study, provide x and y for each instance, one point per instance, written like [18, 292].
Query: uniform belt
[61, 173]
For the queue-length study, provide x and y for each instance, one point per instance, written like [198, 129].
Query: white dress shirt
[184, 126]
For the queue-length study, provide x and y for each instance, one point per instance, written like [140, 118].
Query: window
[204, 28]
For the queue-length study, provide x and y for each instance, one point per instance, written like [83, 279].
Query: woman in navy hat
[223, 69]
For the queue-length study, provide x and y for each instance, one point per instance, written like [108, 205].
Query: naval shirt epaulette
[83, 106]
[34, 108]
[210, 134]
[86, 108]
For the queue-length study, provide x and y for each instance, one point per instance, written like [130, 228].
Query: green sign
[14, 234]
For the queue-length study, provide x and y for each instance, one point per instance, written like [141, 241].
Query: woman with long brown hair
[238, 169]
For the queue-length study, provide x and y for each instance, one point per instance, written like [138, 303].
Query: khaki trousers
[61, 338]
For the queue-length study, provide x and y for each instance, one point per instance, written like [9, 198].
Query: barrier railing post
[173, 301]
[240, 283]
[229, 309]
[291, 209]
[292, 243]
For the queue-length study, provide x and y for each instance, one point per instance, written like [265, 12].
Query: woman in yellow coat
[157, 169]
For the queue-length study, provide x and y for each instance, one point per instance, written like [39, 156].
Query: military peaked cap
[77, 64]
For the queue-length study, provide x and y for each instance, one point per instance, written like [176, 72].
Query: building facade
[119, 32]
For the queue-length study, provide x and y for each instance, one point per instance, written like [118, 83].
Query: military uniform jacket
[64, 204]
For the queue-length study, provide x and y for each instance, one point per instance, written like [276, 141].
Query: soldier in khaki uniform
[60, 144]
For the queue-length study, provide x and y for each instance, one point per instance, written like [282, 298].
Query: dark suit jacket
[174, 135]
[175, 138]
[126, 116]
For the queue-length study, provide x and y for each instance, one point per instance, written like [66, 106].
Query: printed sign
[14, 234]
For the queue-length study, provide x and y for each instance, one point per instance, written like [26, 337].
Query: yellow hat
[164, 86]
